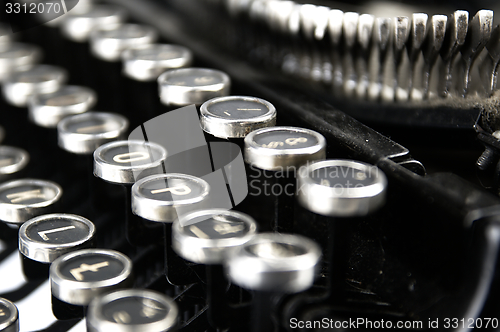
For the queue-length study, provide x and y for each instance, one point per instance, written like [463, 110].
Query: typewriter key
[46, 110]
[45, 238]
[275, 155]
[163, 198]
[236, 116]
[18, 57]
[78, 277]
[143, 65]
[9, 316]
[83, 133]
[6, 36]
[124, 163]
[270, 264]
[208, 237]
[186, 86]
[79, 27]
[19, 86]
[109, 44]
[21, 200]
[146, 63]
[132, 310]
[12, 161]
[344, 189]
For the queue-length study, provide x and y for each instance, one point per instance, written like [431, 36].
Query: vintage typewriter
[339, 169]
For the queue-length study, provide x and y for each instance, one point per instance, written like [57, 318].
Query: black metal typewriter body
[427, 259]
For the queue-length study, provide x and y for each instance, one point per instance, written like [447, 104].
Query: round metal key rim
[275, 159]
[149, 70]
[96, 319]
[356, 192]
[173, 94]
[162, 79]
[58, 74]
[209, 251]
[35, 249]
[146, 207]
[30, 58]
[78, 27]
[49, 115]
[224, 127]
[123, 125]
[14, 315]
[18, 207]
[24, 160]
[87, 143]
[124, 174]
[82, 292]
[249, 270]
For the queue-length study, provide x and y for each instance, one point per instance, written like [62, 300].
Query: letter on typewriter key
[344, 189]
[132, 310]
[208, 237]
[45, 238]
[21, 200]
[12, 161]
[78, 277]
[84, 133]
[46, 110]
[273, 263]
[20, 86]
[236, 116]
[186, 86]
[275, 155]
[9, 316]
[6, 36]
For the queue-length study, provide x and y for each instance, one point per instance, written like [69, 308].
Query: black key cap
[124, 163]
[142, 66]
[137, 309]
[12, 162]
[275, 155]
[9, 316]
[208, 237]
[346, 190]
[271, 264]
[21, 200]
[45, 238]
[46, 110]
[78, 277]
[163, 198]
[20, 86]
[186, 86]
